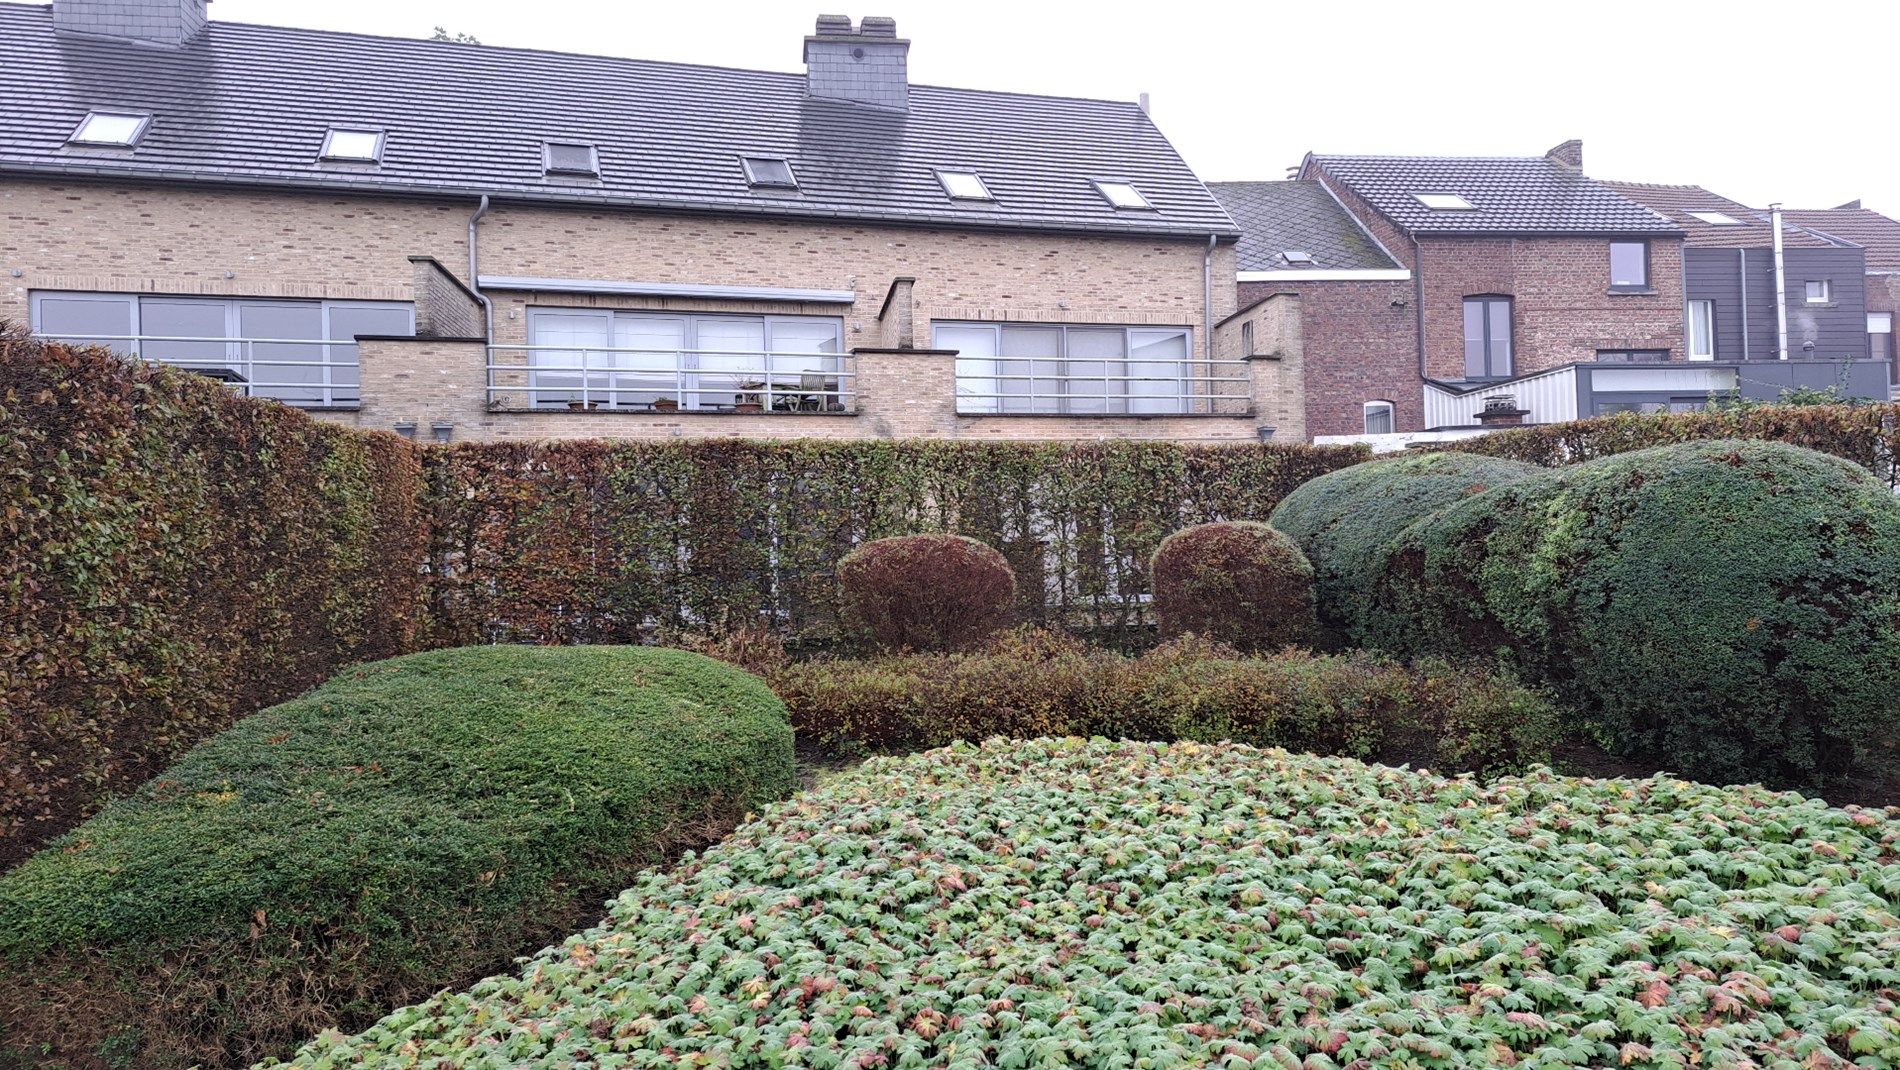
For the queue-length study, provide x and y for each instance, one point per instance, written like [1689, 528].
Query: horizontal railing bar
[556, 388]
[607, 369]
[204, 338]
[675, 349]
[1106, 378]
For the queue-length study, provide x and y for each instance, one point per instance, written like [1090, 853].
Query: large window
[1063, 370]
[1487, 338]
[1702, 330]
[300, 352]
[698, 362]
[1629, 266]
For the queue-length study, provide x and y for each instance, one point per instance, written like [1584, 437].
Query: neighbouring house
[1879, 237]
[473, 242]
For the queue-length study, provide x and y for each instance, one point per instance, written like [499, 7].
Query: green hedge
[172, 557]
[1058, 903]
[412, 824]
[1344, 521]
[1730, 610]
[1237, 582]
[1029, 683]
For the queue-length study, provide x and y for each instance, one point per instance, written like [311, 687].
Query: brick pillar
[907, 393]
[424, 381]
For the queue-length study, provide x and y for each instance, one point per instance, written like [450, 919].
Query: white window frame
[592, 170]
[1707, 307]
[754, 178]
[1445, 202]
[1827, 291]
[83, 133]
[330, 152]
[1123, 196]
[1390, 411]
[1116, 385]
[695, 388]
[950, 177]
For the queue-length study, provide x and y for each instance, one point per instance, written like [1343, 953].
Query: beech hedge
[172, 557]
[410, 825]
[1237, 582]
[1095, 904]
[926, 592]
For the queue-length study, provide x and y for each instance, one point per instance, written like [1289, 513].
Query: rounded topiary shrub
[1345, 520]
[412, 824]
[926, 592]
[1729, 609]
[1240, 583]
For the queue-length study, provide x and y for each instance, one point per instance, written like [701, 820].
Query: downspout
[1741, 261]
[475, 273]
[1781, 289]
[1418, 307]
[1207, 297]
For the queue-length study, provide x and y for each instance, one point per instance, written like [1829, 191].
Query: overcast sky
[1799, 109]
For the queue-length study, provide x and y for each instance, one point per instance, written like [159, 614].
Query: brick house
[475, 242]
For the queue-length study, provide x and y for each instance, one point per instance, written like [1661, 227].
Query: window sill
[1614, 292]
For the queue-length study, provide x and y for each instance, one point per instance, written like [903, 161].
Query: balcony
[1031, 386]
[304, 372]
[625, 379]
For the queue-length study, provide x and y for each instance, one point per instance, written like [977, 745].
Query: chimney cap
[1570, 153]
[834, 26]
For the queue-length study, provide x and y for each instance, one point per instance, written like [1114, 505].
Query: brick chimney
[154, 23]
[866, 64]
[1570, 154]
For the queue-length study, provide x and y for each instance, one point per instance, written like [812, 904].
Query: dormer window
[1444, 202]
[116, 128]
[353, 146]
[964, 186]
[571, 158]
[1123, 195]
[1717, 219]
[770, 172]
[1298, 256]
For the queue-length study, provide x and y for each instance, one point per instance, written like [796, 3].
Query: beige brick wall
[107, 237]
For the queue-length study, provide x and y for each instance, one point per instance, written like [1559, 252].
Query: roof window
[1123, 195]
[964, 186]
[110, 128]
[1718, 219]
[772, 172]
[1444, 202]
[570, 158]
[358, 146]
[1297, 256]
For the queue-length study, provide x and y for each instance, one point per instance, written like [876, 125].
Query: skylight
[964, 186]
[1123, 195]
[1444, 202]
[571, 158]
[1717, 219]
[769, 171]
[110, 128]
[362, 146]
[1297, 256]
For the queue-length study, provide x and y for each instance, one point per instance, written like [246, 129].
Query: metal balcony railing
[668, 380]
[1054, 387]
[277, 368]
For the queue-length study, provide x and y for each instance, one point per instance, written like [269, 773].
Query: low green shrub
[1344, 521]
[1029, 683]
[412, 824]
[1729, 609]
[1237, 582]
[926, 592]
[1096, 904]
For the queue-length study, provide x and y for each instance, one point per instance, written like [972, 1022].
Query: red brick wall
[1562, 308]
[1358, 347]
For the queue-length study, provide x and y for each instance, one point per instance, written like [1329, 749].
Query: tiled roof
[1277, 217]
[1755, 230]
[1870, 230]
[1508, 194]
[250, 104]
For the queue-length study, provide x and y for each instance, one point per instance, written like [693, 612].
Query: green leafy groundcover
[1055, 902]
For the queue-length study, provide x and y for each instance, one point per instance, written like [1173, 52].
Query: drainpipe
[1418, 306]
[475, 273]
[1741, 261]
[1207, 296]
[1781, 289]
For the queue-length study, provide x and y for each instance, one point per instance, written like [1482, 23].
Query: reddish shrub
[926, 592]
[1241, 583]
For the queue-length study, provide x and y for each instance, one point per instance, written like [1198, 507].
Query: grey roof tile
[1753, 228]
[1509, 195]
[250, 104]
[1277, 217]
[1876, 233]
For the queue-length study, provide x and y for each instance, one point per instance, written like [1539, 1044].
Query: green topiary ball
[1730, 609]
[926, 592]
[1240, 583]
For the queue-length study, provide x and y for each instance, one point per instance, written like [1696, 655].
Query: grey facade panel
[1837, 329]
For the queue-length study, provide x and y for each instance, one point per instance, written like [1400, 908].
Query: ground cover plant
[1237, 582]
[1058, 902]
[1035, 683]
[926, 592]
[1729, 609]
[412, 824]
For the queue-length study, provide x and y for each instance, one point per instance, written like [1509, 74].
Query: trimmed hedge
[173, 557]
[412, 824]
[1060, 903]
[1240, 583]
[1729, 609]
[1031, 683]
[1868, 435]
[926, 592]
[1344, 521]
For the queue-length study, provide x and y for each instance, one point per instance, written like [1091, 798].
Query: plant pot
[582, 406]
[749, 406]
[666, 405]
